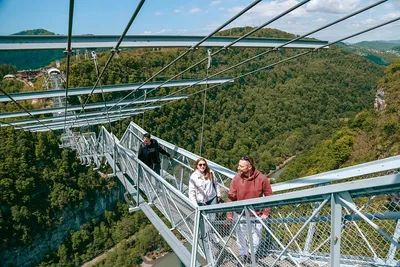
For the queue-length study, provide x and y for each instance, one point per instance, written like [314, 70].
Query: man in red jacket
[248, 183]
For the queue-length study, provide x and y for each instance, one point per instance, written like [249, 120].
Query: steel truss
[350, 223]
[109, 88]
[57, 42]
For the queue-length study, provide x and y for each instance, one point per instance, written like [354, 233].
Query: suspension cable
[293, 57]
[280, 46]
[68, 52]
[102, 93]
[227, 46]
[328, 25]
[189, 50]
[204, 101]
[114, 50]
[19, 105]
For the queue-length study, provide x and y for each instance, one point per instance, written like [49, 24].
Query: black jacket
[151, 154]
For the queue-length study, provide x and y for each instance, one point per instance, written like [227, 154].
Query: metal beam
[73, 120]
[340, 174]
[88, 106]
[75, 125]
[180, 250]
[72, 117]
[383, 184]
[58, 42]
[127, 184]
[109, 88]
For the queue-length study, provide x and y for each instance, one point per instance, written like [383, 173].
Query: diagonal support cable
[280, 46]
[68, 52]
[229, 45]
[114, 51]
[288, 59]
[19, 105]
[192, 48]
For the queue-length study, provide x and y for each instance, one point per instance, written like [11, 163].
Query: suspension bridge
[346, 217]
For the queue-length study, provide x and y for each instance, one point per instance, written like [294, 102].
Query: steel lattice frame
[346, 224]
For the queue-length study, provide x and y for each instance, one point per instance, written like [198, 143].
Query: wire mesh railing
[331, 223]
[300, 231]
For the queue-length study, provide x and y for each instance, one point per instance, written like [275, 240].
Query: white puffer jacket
[202, 190]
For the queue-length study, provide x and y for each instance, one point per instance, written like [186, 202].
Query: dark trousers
[157, 168]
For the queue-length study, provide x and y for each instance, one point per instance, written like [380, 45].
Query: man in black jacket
[149, 153]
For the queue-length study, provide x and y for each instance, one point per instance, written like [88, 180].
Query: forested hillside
[378, 45]
[371, 135]
[37, 180]
[272, 115]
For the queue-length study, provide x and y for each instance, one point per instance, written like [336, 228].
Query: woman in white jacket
[203, 189]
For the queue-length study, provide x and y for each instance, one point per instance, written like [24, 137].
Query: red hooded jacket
[257, 185]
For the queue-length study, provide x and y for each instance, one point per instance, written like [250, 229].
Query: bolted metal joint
[68, 52]
[115, 51]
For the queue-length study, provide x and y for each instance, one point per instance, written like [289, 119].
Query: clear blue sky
[196, 17]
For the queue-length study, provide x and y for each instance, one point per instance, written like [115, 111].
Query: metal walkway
[347, 217]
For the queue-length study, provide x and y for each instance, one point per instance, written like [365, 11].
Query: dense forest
[134, 229]
[370, 135]
[38, 180]
[318, 107]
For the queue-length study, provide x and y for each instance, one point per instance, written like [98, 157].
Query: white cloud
[368, 21]
[332, 6]
[392, 15]
[158, 13]
[320, 20]
[215, 2]
[163, 31]
[177, 11]
[271, 9]
[221, 8]
[194, 10]
[388, 5]
[147, 32]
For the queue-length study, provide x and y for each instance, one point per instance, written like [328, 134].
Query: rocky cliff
[69, 219]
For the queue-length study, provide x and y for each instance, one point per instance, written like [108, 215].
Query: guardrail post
[195, 238]
[205, 238]
[392, 250]
[336, 215]
[138, 187]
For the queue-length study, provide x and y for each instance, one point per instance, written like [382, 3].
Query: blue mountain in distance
[390, 41]
[378, 45]
[30, 59]
[380, 52]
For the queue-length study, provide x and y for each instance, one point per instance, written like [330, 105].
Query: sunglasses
[245, 157]
[201, 164]
[248, 159]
